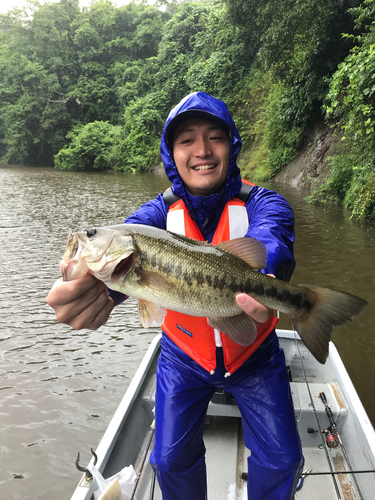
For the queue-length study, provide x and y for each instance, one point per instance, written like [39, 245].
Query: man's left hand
[251, 307]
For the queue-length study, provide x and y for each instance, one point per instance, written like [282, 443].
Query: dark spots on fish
[274, 293]
[208, 280]
[159, 264]
[218, 282]
[248, 286]
[187, 278]
[168, 268]
[199, 277]
[258, 289]
[307, 305]
[178, 270]
[153, 261]
[297, 300]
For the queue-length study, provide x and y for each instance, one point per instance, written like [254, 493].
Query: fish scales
[192, 267]
[167, 271]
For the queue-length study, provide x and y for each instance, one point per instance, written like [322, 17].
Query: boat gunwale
[109, 439]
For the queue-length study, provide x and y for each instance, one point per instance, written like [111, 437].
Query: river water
[59, 388]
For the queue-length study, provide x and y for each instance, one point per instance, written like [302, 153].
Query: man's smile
[199, 168]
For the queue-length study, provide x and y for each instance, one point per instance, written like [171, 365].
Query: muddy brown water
[59, 388]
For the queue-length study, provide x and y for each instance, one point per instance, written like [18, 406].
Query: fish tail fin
[330, 308]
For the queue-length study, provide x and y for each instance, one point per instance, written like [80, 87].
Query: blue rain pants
[261, 389]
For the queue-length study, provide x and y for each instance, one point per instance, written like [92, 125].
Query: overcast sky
[6, 5]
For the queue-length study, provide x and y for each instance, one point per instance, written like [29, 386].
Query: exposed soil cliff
[311, 166]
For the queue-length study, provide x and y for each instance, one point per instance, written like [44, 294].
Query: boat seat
[224, 405]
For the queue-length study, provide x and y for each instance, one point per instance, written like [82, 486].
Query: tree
[90, 148]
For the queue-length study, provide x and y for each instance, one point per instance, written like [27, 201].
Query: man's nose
[203, 148]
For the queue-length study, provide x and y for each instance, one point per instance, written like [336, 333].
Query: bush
[90, 147]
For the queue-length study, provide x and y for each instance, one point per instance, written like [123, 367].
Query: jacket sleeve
[153, 213]
[272, 222]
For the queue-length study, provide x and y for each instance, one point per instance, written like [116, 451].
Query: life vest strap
[170, 198]
[244, 192]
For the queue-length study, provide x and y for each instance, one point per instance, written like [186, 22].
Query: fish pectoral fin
[154, 280]
[250, 250]
[149, 312]
[241, 328]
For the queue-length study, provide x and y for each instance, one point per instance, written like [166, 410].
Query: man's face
[201, 152]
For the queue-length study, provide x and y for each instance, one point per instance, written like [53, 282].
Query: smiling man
[209, 201]
[201, 152]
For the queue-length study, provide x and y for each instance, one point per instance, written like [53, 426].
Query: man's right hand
[81, 303]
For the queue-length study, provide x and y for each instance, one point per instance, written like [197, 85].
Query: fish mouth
[123, 268]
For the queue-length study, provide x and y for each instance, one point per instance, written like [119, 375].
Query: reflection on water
[59, 388]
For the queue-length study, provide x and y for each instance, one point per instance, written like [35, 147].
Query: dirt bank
[310, 167]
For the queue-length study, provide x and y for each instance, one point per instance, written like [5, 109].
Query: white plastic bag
[112, 488]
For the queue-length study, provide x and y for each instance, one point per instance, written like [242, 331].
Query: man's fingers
[251, 307]
[81, 303]
[94, 314]
[64, 292]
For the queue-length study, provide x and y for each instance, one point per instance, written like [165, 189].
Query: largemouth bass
[164, 270]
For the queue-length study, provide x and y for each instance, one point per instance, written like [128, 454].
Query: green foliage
[57, 70]
[90, 147]
[138, 147]
[350, 101]
[92, 87]
[352, 180]
[268, 147]
[352, 92]
[296, 39]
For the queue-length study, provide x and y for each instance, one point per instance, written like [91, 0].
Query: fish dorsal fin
[149, 312]
[250, 250]
[154, 281]
[241, 329]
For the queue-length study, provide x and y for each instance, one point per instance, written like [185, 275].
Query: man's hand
[251, 307]
[81, 303]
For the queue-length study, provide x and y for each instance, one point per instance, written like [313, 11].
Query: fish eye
[91, 232]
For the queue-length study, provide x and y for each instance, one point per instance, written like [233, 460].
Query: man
[209, 201]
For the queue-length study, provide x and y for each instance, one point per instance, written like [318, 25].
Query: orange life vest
[193, 334]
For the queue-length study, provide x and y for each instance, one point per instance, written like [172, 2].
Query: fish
[164, 270]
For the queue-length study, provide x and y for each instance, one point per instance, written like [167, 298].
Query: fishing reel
[331, 438]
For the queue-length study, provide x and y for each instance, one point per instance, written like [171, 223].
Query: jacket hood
[205, 104]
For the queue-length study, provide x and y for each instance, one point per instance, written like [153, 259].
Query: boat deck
[226, 458]
[226, 455]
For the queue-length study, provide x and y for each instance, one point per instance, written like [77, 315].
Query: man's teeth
[204, 167]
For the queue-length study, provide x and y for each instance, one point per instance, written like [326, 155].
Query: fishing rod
[316, 417]
[333, 438]
[332, 435]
